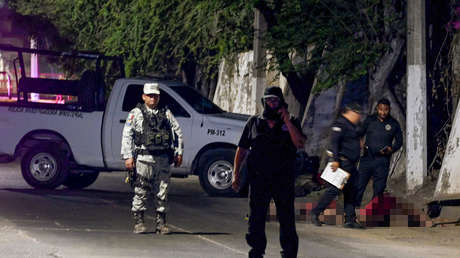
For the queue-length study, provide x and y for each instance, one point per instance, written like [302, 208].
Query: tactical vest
[156, 133]
[271, 149]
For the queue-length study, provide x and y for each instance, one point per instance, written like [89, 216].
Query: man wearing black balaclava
[270, 141]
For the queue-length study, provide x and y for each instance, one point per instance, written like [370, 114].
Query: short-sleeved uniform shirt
[271, 149]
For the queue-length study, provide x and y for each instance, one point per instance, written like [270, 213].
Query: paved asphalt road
[96, 222]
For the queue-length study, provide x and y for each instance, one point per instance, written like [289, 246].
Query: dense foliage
[337, 40]
[343, 38]
[154, 37]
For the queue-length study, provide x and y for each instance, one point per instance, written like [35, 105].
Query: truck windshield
[196, 100]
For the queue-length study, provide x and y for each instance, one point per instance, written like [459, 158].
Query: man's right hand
[335, 165]
[239, 158]
[129, 164]
[236, 183]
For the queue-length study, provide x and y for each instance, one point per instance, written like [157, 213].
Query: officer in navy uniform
[383, 137]
[344, 152]
[270, 141]
[148, 147]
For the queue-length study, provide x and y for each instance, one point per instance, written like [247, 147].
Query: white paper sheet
[338, 178]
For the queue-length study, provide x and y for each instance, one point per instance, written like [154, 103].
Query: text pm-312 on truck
[56, 116]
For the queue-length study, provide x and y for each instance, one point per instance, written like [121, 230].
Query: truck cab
[73, 130]
[208, 130]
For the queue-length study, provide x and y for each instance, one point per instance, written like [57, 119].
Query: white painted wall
[234, 85]
[448, 185]
[416, 126]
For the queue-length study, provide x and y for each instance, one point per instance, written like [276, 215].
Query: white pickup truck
[71, 131]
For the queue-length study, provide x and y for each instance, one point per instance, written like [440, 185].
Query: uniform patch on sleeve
[336, 129]
[130, 119]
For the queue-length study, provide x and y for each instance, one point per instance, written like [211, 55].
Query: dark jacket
[344, 140]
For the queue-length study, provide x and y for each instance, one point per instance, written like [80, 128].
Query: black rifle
[131, 176]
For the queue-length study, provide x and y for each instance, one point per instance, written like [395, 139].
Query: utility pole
[416, 116]
[259, 77]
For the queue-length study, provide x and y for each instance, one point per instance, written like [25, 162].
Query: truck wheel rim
[220, 174]
[43, 167]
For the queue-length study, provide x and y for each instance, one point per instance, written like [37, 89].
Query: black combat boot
[287, 255]
[139, 227]
[353, 223]
[161, 227]
[255, 254]
[315, 220]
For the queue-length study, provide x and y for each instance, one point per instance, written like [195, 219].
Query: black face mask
[271, 113]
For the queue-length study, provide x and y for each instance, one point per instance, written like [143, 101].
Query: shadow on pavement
[87, 193]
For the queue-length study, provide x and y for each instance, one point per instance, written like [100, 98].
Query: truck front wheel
[44, 166]
[81, 180]
[216, 171]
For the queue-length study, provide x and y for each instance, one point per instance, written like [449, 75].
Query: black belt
[343, 158]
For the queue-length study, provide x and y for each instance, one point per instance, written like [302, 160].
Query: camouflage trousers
[152, 182]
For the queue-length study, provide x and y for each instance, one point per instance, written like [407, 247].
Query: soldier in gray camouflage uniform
[148, 147]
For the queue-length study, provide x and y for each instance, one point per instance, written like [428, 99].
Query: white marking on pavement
[24, 234]
[183, 230]
[124, 232]
[209, 240]
[77, 229]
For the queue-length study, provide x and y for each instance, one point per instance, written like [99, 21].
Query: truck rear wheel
[81, 180]
[216, 172]
[44, 166]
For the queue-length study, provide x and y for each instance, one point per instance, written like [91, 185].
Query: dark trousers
[262, 190]
[376, 167]
[349, 192]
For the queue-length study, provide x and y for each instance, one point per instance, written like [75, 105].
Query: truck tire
[216, 172]
[80, 180]
[44, 166]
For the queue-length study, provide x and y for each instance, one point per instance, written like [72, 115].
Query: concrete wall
[448, 184]
[235, 84]
[318, 120]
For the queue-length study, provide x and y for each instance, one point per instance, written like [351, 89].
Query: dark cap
[353, 106]
[383, 101]
[273, 91]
